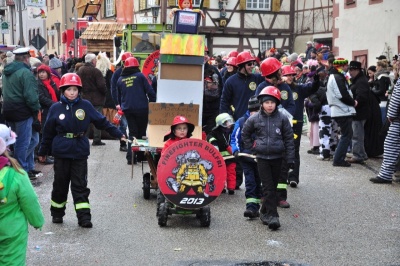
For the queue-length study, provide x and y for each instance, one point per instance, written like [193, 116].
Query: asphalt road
[337, 217]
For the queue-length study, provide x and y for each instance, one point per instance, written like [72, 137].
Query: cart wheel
[163, 215]
[205, 218]
[146, 186]
[160, 199]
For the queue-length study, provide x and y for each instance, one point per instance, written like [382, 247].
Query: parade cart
[191, 174]
[152, 155]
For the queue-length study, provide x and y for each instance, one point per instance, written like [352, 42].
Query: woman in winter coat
[19, 205]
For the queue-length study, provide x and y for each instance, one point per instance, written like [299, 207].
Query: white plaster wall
[368, 27]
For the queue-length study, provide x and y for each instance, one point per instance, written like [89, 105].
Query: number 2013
[196, 201]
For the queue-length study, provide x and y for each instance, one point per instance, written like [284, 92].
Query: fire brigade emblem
[252, 86]
[284, 95]
[191, 173]
[80, 114]
[295, 96]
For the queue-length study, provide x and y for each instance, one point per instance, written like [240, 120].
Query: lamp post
[57, 24]
[155, 10]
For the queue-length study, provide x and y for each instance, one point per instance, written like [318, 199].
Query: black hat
[381, 57]
[354, 65]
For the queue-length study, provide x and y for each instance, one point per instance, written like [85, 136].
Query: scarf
[3, 162]
[380, 72]
[50, 89]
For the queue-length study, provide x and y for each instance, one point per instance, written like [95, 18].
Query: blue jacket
[114, 80]
[287, 100]
[74, 118]
[236, 92]
[134, 92]
[236, 138]
[300, 92]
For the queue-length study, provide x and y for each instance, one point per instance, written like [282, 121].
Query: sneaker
[283, 204]
[265, 219]
[378, 180]
[123, 148]
[57, 220]
[35, 172]
[32, 176]
[98, 143]
[321, 158]
[274, 223]
[231, 192]
[251, 214]
[293, 184]
[313, 151]
[353, 160]
[86, 224]
[342, 164]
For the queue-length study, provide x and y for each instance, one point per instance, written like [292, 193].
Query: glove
[229, 149]
[291, 165]
[236, 154]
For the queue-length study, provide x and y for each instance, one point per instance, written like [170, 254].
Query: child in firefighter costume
[272, 141]
[64, 136]
[19, 205]
[252, 179]
[190, 174]
[220, 138]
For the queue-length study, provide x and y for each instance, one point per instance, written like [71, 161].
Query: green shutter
[206, 3]
[171, 2]
[242, 4]
[276, 5]
[142, 4]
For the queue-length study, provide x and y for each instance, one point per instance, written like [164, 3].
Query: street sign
[51, 32]
[38, 42]
[4, 27]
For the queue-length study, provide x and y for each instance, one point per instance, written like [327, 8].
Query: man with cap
[381, 57]
[340, 99]
[360, 89]
[94, 90]
[21, 107]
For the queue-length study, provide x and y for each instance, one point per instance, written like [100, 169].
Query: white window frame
[196, 3]
[109, 5]
[151, 3]
[266, 45]
[264, 5]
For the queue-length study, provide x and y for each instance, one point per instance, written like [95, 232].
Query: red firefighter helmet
[232, 61]
[270, 91]
[244, 57]
[288, 70]
[233, 54]
[269, 66]
[131, 62]
[177, 121]
[70, 79]
[125, 56]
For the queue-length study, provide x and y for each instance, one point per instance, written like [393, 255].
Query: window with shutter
[266, 45]
[206, 3]
[242, 4]
[350, 2]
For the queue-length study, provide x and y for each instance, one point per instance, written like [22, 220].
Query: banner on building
[37, 12]
[36, 3]
[125, 11]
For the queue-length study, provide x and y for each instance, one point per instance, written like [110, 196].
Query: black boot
[122, 146]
